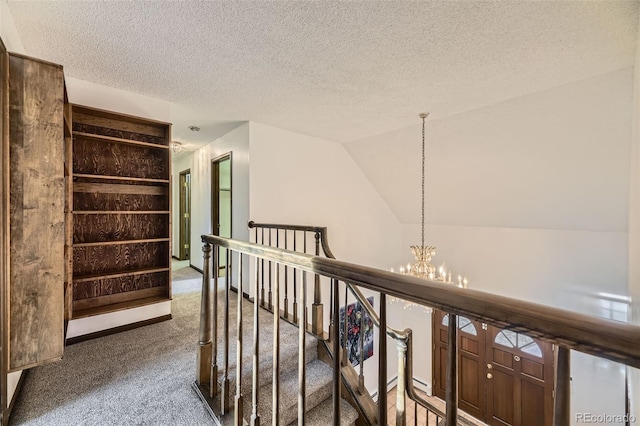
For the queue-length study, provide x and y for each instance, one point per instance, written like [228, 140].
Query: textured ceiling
[337, 70]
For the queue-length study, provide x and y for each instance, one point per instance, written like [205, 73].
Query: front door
[519, 379]
[471, 345]
[504, 378]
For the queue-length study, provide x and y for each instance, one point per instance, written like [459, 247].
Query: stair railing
[595, 336]
[402, 337]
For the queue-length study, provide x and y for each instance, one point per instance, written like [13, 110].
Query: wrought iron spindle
[255, 418]
[203, 375]
[301, 351]
[275, 410]
[316, 319]
[238, 420]
[262, 273]
[336, 356]
[286, 282]
[451, 396]
[363, 324]
[295, 285]
[270, 301]
[382, 362]
[345, 328]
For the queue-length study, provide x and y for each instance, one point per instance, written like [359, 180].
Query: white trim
[82, 326]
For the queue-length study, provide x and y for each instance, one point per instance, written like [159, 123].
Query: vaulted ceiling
[338, 70]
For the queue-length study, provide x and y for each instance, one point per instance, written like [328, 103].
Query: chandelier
[422, 267]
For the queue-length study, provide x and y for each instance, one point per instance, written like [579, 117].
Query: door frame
[215, 199]
[184, 227]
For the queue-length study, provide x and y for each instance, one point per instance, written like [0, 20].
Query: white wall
[528, 198]
[297, 179]
[634, 227]
[8, 31]
[236, 142]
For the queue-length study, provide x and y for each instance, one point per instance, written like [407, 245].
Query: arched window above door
[464, 324]
[526, 344]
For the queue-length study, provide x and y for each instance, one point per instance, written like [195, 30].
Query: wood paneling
[36, 161]
[94, 201]
[121, 160]
[92, 228]
[122, 284]
[104, 259]
[120, 134]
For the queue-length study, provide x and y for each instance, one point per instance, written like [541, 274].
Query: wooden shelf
[119, 178]
[118, 188]
[111, 243]
[102, 138]
[119, 274]
[120, 193]
[115, 307]
[122, 212]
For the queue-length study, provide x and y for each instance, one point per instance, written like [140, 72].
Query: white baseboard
[82, 326]
[417, 383]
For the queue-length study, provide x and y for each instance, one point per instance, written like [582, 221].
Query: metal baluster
[316, 308]
[270, 301]
[295, 286]
[213, 385]
[451, 396]
[382, 362]
[286, 282]
[238, 403]
[255, 418]
[275, 410]
[415, 413]
[336, 355]
[301, 352]
[203, 374]
[262, 274]
[363, 324]
[562, 403]
[345, 329]
[225, 398]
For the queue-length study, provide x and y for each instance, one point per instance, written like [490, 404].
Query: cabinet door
[36, 220]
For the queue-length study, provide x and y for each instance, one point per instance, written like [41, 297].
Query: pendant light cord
[423, 120]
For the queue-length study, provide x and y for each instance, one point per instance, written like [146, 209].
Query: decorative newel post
[203, 373]
[316, 307]
[401, 389]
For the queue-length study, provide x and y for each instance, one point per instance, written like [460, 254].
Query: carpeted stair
[319, 405]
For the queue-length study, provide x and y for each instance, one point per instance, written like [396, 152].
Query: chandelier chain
[423, 157]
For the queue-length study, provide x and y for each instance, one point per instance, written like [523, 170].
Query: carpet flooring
[144, 376]
[141, 376]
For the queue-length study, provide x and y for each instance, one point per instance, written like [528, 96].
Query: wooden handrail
[604, 338]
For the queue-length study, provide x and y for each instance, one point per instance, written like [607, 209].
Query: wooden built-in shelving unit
[119, 212]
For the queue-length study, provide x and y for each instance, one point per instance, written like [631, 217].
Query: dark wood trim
[184, 207]
[196, 268]
[114, 330]
[83, 109]
[31, 58]
[174, 257]
[4, 229]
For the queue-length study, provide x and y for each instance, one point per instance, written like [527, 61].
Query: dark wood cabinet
[118, 210]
